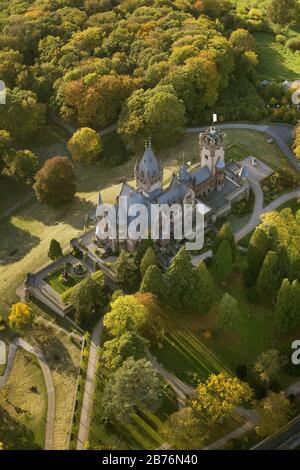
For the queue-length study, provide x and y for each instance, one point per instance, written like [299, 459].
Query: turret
[212, 148]
[149, 172]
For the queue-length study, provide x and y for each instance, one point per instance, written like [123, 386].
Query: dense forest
[153, 66]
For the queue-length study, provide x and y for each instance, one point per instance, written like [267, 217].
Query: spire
[183, 172]
[100, 201]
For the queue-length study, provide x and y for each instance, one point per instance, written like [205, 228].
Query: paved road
[19, 342]
[181, 389]
[71, 129]
[288, 438]
[281, 133]
[258, 210]
[87, 403]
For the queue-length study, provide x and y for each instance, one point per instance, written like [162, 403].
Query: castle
[213, 183]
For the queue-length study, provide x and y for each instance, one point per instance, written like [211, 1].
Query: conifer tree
[223, 260]
[149, 259]
[155, 282]
[268, 281]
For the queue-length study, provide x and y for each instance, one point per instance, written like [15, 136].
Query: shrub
[281, 39]
[293, 44]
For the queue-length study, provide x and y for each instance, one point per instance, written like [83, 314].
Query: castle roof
[220, 164]
[244, 172]
[126, 189]
[184, 175]
[148, 164]
[201, 174]
[212, 136]
[174, 194]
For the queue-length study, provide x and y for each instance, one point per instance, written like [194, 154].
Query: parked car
[254, 161]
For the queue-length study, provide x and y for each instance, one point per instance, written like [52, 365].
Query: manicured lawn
[236, 152]
[23, 405]
[63, 357]
[276, 61]
[55, 280]
[254, 143]
[185, 353]
[141, 433]
[293, 205]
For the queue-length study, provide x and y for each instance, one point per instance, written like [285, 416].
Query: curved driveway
[19, 342]
[281, 133]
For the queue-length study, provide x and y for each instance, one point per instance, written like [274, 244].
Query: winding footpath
[19, 342]
[184, 391]
[87, 403]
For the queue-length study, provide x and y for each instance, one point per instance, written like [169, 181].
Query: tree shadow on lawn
[102, 175]
[15, 243]
[15, 435]
[271, 62]
[56, 353]
[73, 214]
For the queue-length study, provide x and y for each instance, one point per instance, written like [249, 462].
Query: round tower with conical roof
[149, 171]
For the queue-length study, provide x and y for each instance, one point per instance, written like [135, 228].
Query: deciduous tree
[126, 314]
[85, 145]
[55, 182]
[274, 412]
[134, 385]
[217, 397]
[20, 316]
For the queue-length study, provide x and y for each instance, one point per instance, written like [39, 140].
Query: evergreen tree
[228, 311]
[155, 282]
[295, 302]
[257, 250]
[223, 260]
[283, 262]
[205, 287]
[268, 281]
[127, 272]
[149, 259]
[283, 306]
[55, 251]
[226, 233]
[181, 279]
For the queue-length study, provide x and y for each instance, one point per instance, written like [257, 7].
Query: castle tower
[149, 172]
[212, 148]
[220, 175]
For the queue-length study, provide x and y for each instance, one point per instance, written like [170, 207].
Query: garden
[280, 181]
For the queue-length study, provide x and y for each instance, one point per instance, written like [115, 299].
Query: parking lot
[259, 172]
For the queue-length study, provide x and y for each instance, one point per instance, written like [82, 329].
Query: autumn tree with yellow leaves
[20, 316]
[217, 397]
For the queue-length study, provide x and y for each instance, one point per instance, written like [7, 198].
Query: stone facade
[212, 183]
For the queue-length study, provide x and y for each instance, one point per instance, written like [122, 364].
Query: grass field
[23, 404]
[55, 280]
[255, 143]
[185, 354]
[253, 333]
[276, 61]
[141, 433]
[236, 152]
[63, 357]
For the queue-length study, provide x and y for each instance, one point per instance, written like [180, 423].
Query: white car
[254, 161]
